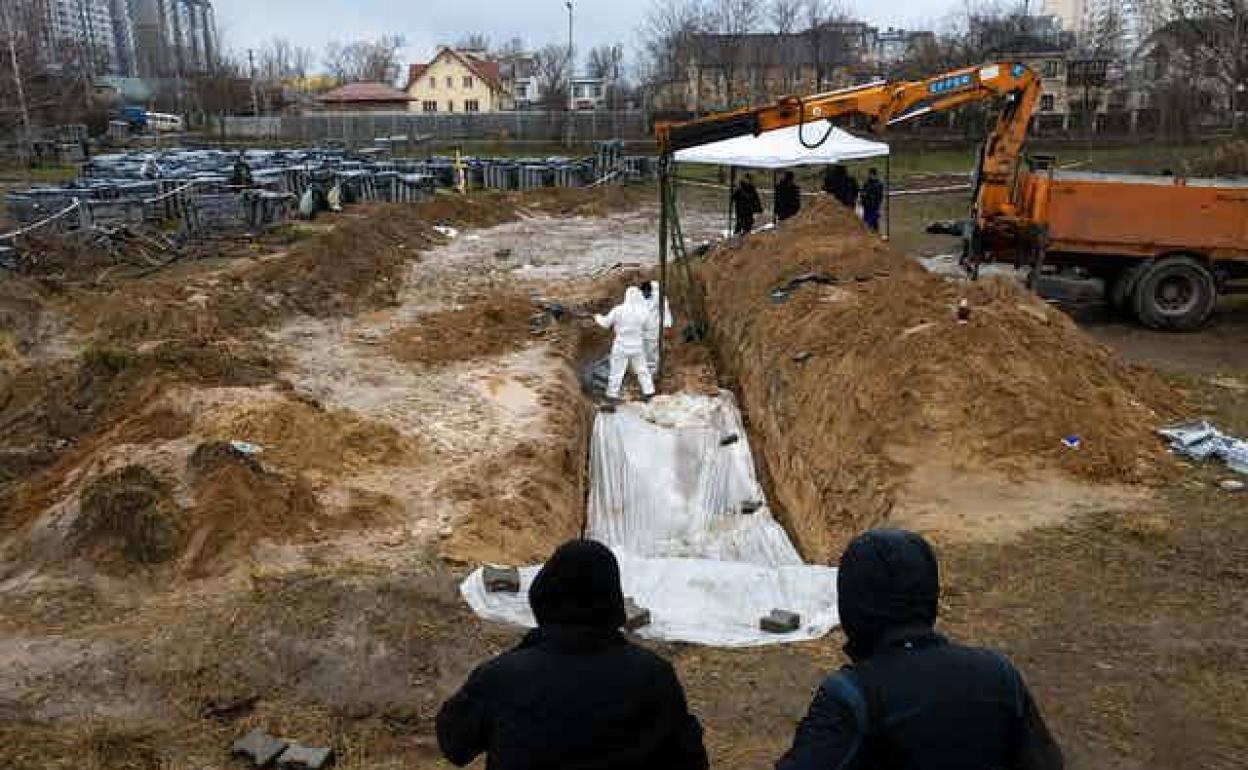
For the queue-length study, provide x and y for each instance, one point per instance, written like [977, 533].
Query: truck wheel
[1175, 294]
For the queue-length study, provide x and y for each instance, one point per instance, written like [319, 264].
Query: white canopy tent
[784, 148]
[813, 144]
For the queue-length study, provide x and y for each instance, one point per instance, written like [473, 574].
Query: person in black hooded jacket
[575, 693]
[910, 699]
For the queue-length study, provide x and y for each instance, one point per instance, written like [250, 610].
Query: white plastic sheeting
[669, 491]
[784, 148]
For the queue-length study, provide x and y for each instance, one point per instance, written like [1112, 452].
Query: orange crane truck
[1160, 247]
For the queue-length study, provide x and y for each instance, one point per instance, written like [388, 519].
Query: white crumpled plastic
[667, 494]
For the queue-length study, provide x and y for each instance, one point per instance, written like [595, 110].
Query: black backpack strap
[1013, 681]
[844, 688]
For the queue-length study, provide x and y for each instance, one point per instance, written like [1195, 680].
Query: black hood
[579, 586]
[888, 579]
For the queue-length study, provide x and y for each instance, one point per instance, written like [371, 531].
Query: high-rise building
[173, 38]
[147, 38]
[1118, 24]
[89, 27]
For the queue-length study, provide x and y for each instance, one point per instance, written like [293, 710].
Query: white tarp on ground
[784, 148]
[669, 493]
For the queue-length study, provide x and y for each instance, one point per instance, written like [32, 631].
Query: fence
[358, 128]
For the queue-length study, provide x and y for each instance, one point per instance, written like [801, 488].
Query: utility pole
[251, 63]
[571, 73]
[23, 141]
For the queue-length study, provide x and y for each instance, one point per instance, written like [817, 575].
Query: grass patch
[38, 174]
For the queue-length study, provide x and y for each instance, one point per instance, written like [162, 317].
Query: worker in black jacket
[910, 699]
[575, 693]
[788, 197]
[872, 200]
[745, 204]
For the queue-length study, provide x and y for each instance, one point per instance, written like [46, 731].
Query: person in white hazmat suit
[651, 293]
[632, 323]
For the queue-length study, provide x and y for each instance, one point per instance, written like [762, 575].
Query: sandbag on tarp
[674, 493]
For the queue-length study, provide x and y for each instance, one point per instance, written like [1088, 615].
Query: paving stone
[259, 747]
[501, 579]
[306, 758]
[781, 622]
[635, 616]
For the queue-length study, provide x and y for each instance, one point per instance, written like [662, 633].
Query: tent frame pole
[774, 221]
[665, 201]
[888, 194]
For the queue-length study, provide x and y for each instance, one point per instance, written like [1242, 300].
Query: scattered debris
[781, 294]
[1200, 440]
[750, 506]
[780, 622]
[802, 357]
[259, 747]
[1232, 485]
[501, 579]
[729, 440]
[227, 712]
[245, 449]
[964, 311]
[1072, 442]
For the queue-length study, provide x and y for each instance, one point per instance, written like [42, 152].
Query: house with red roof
[456, 81]
[368, 97]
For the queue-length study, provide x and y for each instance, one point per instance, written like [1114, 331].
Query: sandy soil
[340, 623]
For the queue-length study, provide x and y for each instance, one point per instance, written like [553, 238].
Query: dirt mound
[853, 367]
[1227, 160]
[55, 417]
[587, 202]
[480, 209]
[128, 513]
[302, 437]
[238, 502]
[484, 327]
[22, 310]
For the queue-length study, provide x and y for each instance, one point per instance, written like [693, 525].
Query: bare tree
[19, 82]
[605, 61]
[553, 70]
[474, 41]
[829, 46]
[42, 81]
[1214, 35]
[511, 48]
[222, 91]
[785, 15]
[668, 37]
[365, 60]
[728, 48]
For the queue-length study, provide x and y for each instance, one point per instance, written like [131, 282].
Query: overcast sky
[427, 23]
